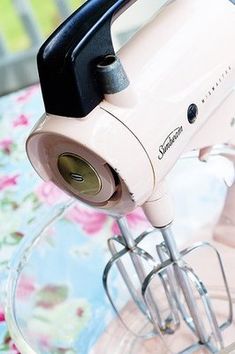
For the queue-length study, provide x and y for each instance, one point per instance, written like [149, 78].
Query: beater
[116, 124]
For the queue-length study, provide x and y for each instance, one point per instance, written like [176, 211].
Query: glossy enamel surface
[181, 58]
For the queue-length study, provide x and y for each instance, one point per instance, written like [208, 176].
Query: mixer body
[179, 65]
[169, 90]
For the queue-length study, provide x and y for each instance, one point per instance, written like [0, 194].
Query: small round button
[79, 174]
[192, 113]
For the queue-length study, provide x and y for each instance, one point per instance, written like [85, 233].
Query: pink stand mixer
[116, 124]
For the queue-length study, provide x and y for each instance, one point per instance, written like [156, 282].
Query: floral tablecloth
[23, 196]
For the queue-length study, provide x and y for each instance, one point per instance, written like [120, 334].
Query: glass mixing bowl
[53, 293]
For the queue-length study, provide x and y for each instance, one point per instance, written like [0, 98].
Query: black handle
[67, 60]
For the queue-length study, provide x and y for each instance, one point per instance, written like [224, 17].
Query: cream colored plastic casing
[184, 56]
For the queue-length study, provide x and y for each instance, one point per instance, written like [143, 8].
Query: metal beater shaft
[139, 268]
[184, 283]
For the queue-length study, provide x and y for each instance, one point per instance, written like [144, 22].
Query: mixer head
[116, 123]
